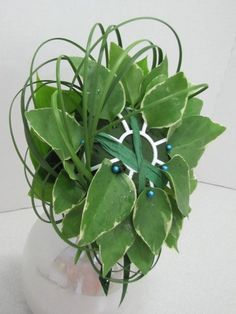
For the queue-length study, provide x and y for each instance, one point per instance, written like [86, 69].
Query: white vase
[54, 285]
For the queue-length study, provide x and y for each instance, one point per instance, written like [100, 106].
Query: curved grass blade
[127, 266]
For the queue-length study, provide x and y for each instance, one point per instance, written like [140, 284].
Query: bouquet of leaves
[114, 149]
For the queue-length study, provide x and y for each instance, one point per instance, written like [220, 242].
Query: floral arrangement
[112, 152]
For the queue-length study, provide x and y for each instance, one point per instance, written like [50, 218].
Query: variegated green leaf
[41, 147]
[152, 218]
[191, 137]
[72, 220]
[115, 102]
[43, 122]
[70, 168]
[114, 244]
[140, 254]
[193, 181]
[154, 75]
[176, 226]
[157, 80]
[178, 174]
[41, 188]
[143, 64]
[132, 79]
[72, 99]
[116, 194]
[66, 193]
[193, 107]
[163, 105]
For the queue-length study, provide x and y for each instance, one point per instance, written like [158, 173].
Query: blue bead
[82, 142]
[169, 147]
[150, 193]
[115, 169]
[164, 167]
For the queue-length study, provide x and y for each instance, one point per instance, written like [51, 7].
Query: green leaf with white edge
[41, 189]
[43, 122]
[42, 148]
[114, 244]
[163, 105]
[152, 218]
[160, 71]
[191, 137]
[176, 226]
[196, 130]
[116, 194]
[115, 102]
[193, 107]
[191, 153]
[194, 89]
[66, 193]
[193, 181]
[178, 174]
[140, 254]
[143, 64]
[132, 79]
[70, 168]
[72, 220]
[72, 99]
[157, 80]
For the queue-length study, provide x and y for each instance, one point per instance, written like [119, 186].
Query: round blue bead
[150, 193]
[116, 169]
[82, 142]
[164, 167]
[169, 147]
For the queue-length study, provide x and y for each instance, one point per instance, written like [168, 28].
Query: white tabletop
[199, 280]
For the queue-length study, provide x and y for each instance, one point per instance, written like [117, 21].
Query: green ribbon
[139, 153]
[132, 160]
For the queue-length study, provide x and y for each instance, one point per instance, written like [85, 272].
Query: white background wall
[207, 30]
